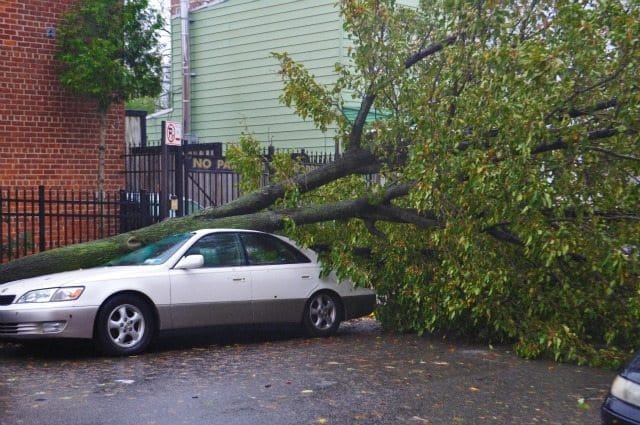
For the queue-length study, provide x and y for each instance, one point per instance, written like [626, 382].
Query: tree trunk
[102, 148]
[240, 213]
[91, 254]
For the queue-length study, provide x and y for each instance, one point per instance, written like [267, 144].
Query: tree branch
[548, 147]
[361, 119]
[367, 101]
[399, 215]
[430, 50]
[352, 162]
[613, 154]
[561, 144]
[357, 128]
[371, 227]
[501, 233]
[600, 106]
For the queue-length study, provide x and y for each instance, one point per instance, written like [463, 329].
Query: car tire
[322, 314]
[125, 325]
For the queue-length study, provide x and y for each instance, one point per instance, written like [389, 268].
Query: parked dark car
[622, 405]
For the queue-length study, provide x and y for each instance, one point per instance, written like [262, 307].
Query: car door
[218, 293]
[282, 278]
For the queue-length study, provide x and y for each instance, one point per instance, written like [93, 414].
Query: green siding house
[235, 83]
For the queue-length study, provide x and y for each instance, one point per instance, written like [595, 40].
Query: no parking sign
[173, 133]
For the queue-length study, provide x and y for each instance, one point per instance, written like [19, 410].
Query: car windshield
[152, 254]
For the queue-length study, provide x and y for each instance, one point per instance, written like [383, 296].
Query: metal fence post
[146, 216]
[2, 250]
[179, 183]
[124, 211]
[164, 183]
[41, 219]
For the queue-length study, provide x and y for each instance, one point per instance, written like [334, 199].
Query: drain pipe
[186, 69]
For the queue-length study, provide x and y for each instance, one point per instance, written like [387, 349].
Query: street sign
[202, 163]
[173, 134]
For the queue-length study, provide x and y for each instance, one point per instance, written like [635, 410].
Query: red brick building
[47, 136]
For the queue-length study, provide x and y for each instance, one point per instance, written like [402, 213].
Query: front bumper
[45, 321]
[616, 412]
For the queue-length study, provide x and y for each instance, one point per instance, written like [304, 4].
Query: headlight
[626, 390]
[68, 294]
[51, 294]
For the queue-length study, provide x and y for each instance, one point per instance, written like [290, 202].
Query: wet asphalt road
[258, 376]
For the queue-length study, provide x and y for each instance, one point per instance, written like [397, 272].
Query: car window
[219, 250]
[152, 254]
[264, 249]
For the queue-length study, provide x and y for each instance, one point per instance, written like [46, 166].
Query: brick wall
[47, 136]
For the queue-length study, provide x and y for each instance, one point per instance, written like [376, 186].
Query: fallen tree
[507, 194]
[96, 253]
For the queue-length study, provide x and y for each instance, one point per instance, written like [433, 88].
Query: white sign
[173, 133]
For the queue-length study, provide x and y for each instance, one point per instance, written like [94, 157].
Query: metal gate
[206, 182]
[180, 180]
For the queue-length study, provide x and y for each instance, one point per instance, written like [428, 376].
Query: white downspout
[186, 69]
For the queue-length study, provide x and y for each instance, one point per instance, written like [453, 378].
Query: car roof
[207, 231]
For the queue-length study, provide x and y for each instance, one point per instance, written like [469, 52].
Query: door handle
[238, 279]
[306, 277]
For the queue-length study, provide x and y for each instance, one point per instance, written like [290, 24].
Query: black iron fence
[308, 158]
[35, 220]
[193, 176]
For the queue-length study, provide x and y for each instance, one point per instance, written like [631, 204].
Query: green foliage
[146, 103]
[245, 159]
[13, 247]
[521, 138]
[310, 99]
[107, 50]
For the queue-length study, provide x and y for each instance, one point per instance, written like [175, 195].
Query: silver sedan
[198, 279]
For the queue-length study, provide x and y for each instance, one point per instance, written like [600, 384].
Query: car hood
[632, 370]
[77, 277]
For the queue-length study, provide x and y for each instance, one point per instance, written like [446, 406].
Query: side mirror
[190, 262]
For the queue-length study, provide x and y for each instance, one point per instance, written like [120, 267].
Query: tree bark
[102, 147]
